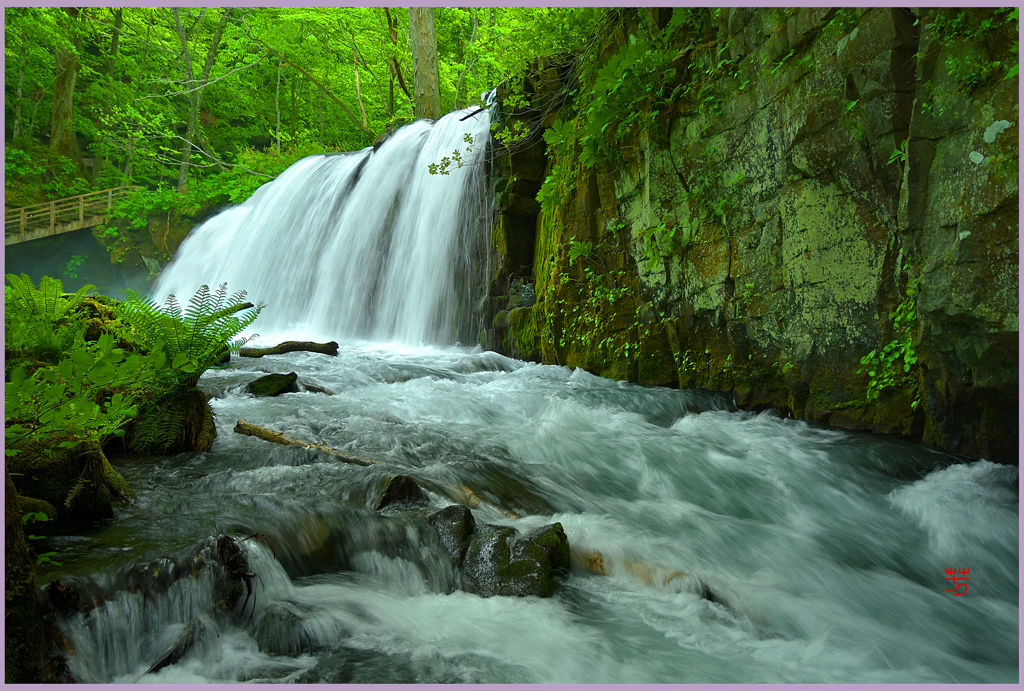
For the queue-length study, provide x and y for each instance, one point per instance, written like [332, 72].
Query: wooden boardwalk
[61, 216]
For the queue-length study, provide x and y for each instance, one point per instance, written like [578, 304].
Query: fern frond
[49, 300]
[207, 328]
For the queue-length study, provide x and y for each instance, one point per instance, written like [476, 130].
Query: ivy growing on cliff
[893, 366]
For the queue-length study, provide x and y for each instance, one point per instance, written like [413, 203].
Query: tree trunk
[194, 88]
[460, 493]
[277, 106]
[62, 123]
[366, 130]
[330, 348]
[21, 82]
[359, 96]
[396, 69]
[294, 119]
[426, 79]
[100, 158]
[25, 659]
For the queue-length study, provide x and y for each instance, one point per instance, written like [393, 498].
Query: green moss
[117, 485]
[524, 333]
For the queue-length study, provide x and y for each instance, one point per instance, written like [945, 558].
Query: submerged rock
[273, 385]
[280, 630]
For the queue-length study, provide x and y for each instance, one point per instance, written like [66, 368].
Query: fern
[196, 339]
[172, 423]
[49, 300]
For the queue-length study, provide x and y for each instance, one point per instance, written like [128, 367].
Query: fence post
[110, 198]
[53, 215]
[24, 221]
[81, 208]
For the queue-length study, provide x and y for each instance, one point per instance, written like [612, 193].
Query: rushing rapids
[827, 551]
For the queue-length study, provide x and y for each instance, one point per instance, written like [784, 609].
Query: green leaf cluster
[193, 339]
[892, 366]
[36, 321]
[89, 393]
[968, 37]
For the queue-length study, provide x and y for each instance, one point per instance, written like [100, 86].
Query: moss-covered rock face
[847, 181]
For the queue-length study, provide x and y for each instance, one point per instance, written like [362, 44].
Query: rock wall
[846, 186]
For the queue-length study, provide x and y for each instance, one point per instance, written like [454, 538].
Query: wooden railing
[61, 216]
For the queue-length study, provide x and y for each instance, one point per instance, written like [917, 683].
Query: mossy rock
[35, 506]
[528, 567]
[485, 569]
[524, 334]
[537, 558]
[273, 385]
[454, 525]
[77, 482]
[179, 420]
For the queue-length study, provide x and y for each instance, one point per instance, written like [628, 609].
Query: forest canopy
[215, 101]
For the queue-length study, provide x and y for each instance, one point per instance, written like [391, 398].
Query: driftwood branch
[459, 493]
[251, 430]
[291, 347]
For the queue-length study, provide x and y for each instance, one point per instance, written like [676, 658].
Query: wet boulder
[281, 630]
[273, 385]
[498, 564]
[538, 557]
[454, 525]
[400, 489]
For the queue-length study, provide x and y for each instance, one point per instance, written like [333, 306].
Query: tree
[63, 141]
[426, 79]
[194, 87]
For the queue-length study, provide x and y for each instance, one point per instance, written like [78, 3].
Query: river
[828, 549]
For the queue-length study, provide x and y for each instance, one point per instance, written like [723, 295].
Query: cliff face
[829, 227]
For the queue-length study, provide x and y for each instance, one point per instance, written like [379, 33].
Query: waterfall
[359, 245]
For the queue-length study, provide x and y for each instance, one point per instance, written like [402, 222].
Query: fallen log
[251, 430]
[459, 493]
[291, 347]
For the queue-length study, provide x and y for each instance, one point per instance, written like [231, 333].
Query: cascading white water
[366, 244]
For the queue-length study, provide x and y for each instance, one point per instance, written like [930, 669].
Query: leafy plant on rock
[178, 417]
[195, 339]
[892, 366]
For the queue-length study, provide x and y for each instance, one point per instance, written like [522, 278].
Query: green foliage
[39, 517]
[445, 166]
[659, 242]
[19, 164]
[36, 322]
[193, 340]
[966, 35]
[578, 249]
[899, 154]
[622, 98]
[554, 189]
[88, 393]
[49, 301]
[893, 365]
[169, 422]
[71, 267]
